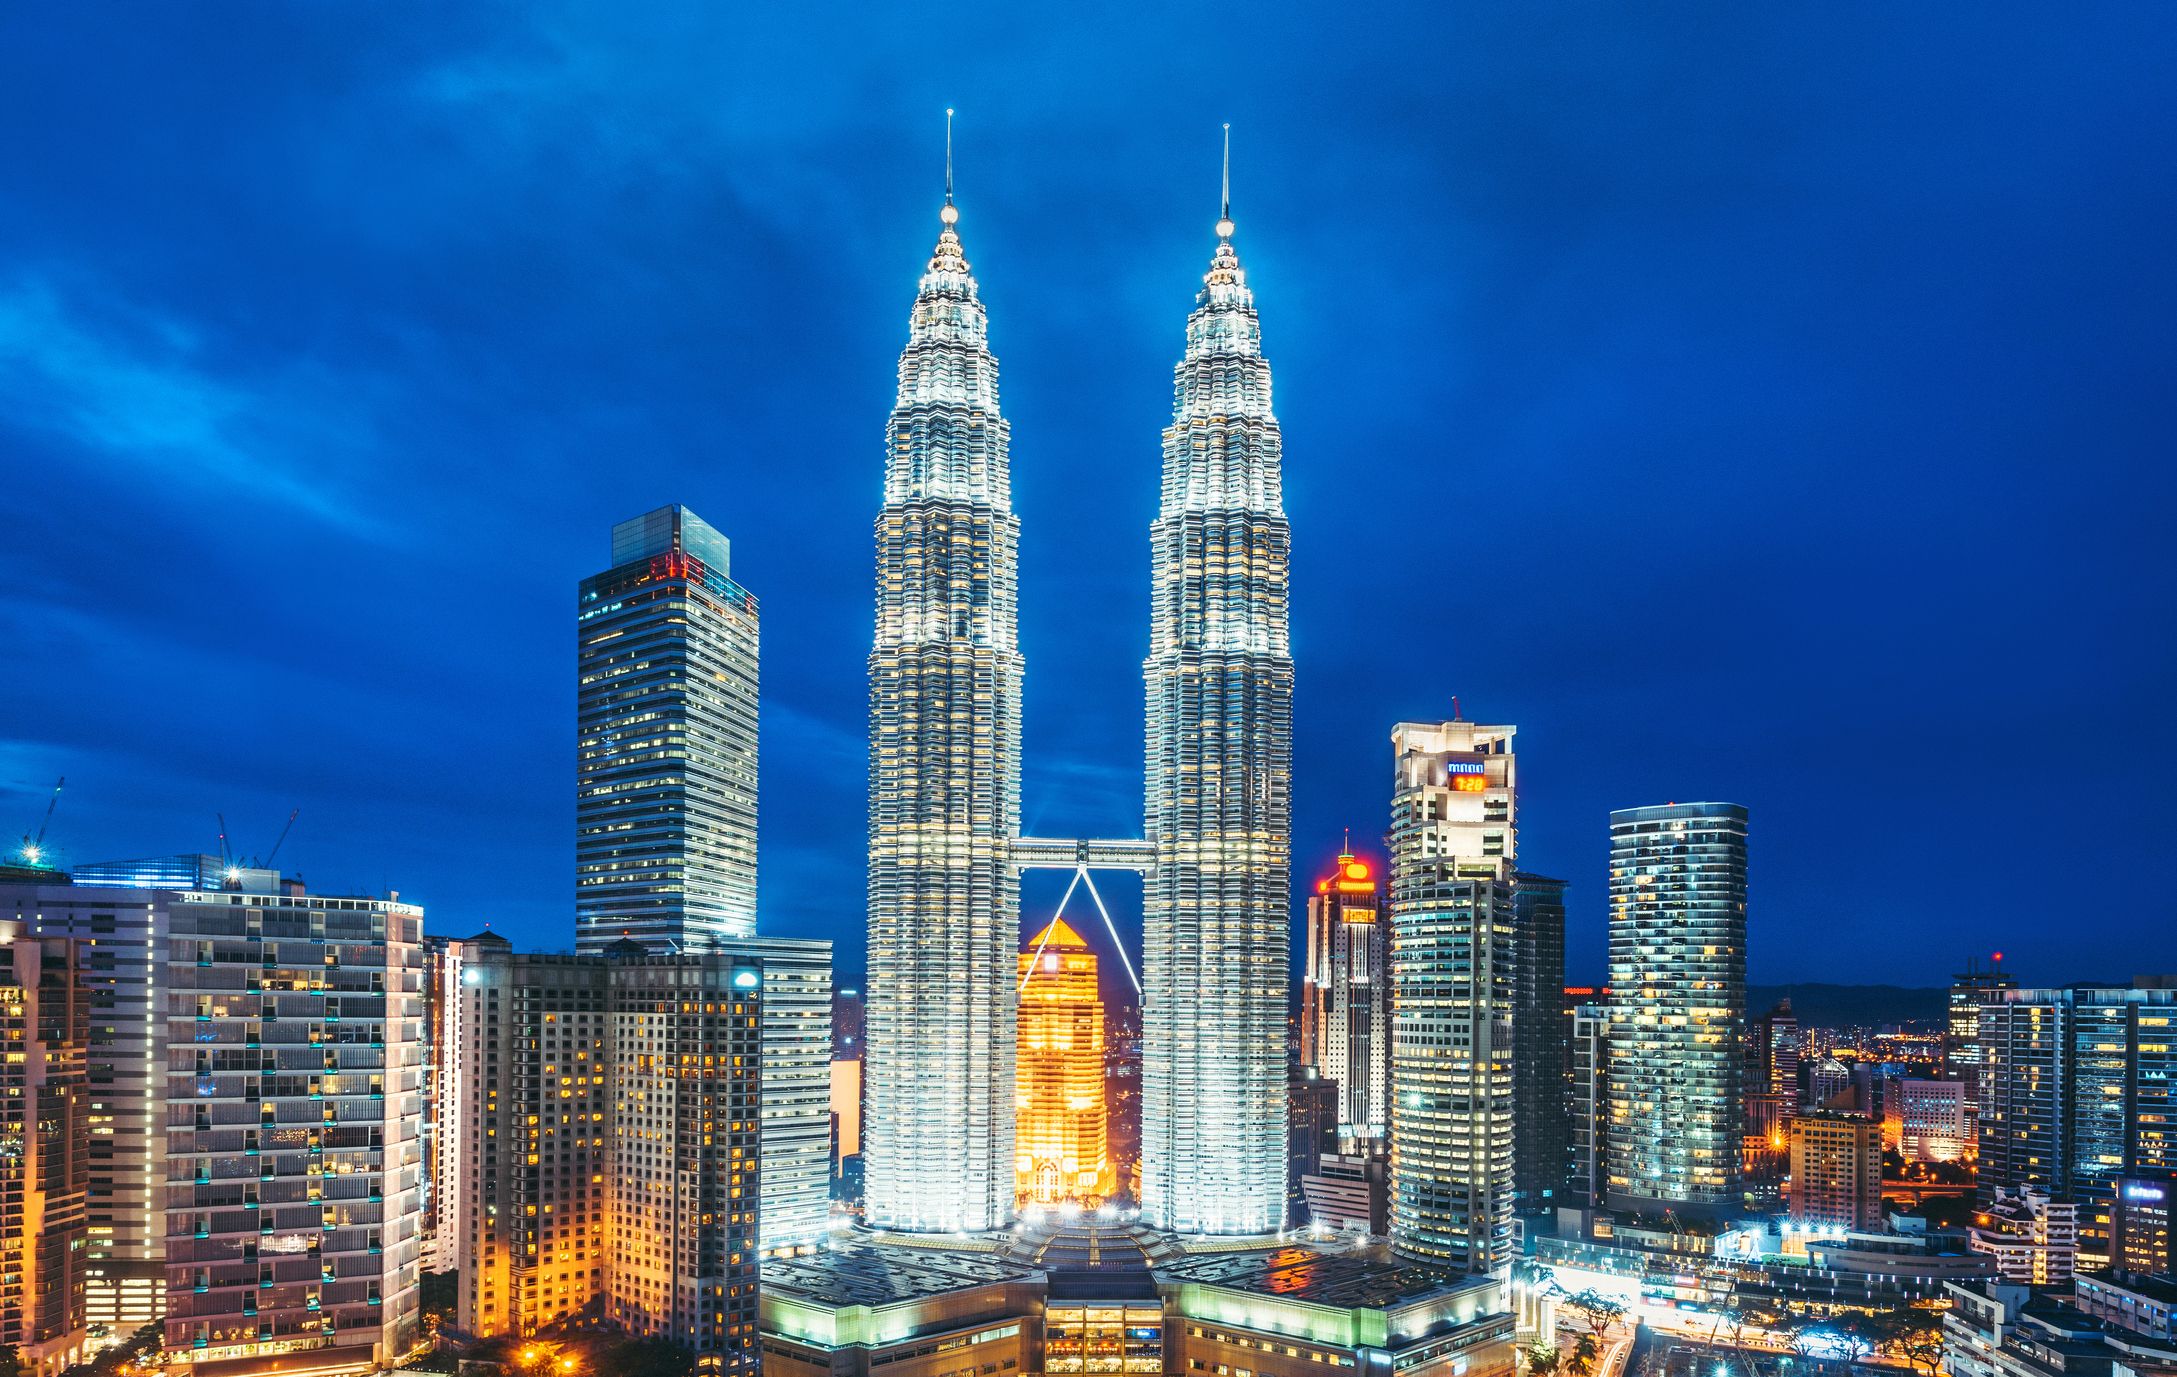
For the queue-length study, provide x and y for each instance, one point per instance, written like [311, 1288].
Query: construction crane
[273, 854]
[34, 845]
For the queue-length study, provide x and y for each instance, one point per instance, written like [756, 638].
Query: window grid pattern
[944, 779]
[1218, 786]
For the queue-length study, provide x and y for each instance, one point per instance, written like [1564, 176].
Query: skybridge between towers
[1068, 853]
[1081, 856]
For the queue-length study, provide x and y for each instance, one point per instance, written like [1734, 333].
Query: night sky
[1749, 404]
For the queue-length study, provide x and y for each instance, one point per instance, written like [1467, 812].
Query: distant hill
[1848, 1006]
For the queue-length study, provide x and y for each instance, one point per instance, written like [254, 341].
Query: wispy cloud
[131, 387]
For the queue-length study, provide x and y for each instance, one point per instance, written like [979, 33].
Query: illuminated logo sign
[1466, 776]
[2140, 1190]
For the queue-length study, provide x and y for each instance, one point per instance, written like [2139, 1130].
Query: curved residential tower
[1219, 675]
[944, 778]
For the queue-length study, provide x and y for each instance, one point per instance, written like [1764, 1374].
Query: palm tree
[1584, 1352]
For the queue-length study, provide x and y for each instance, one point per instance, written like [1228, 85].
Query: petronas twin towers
[945, 850]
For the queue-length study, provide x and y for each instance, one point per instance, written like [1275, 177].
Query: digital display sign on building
[1466, 776]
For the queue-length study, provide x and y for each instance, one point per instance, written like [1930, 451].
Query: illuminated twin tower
[945, 850]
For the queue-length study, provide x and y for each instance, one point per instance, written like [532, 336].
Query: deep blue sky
[1767, 403]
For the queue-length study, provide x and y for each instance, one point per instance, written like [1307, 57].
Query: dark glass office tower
[665, 804]
[1541, 1122]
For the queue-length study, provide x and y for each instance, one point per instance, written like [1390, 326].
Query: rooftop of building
[2161, 1287]
[879, 1271]
[1060, 934]
[1060, 1244]
[1361, 1279]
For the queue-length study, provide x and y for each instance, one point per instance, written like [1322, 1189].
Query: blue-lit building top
[186, 873]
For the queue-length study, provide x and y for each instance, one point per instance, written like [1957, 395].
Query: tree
[1585, 1350]
[1535, 1274]
[1913, 1335]
[1599, 1310]
[11, 1361]
[1543, 1359]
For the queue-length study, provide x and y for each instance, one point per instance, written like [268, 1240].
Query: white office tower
[1453, 954]
[944, 778]
[1218, 797]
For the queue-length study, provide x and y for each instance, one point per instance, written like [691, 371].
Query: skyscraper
[1454, 964]
[944, 776]
[1346, 1001]
[1061, 1152]
[1539, 1028]
[1961, 1054]
[1678, 1007]
[130, 974]
[618, 1138]
[665, 801]
[1771, 1083]
[45, 1146]
[445, 1068]
[1218, 784]
[292, 1195]
[1588, 1165]
[2078, 1092]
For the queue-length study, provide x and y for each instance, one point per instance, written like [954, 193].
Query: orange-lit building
[1836, 1171]
[1059, 1142]
[1345, 1009]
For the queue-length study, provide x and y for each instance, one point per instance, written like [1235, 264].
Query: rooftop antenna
[1455, 707]
[1224, 211]
[951, 212]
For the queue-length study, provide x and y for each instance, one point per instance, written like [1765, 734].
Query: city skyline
[135, 373]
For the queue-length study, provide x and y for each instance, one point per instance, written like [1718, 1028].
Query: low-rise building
[1096, 1297]
[2034, 1239]
[2012, 1330]
[1771, 1263]
[1349, 1193]
[1836, 1171]
[2143, 1305]
[2005, 1329]
[1929, 1120]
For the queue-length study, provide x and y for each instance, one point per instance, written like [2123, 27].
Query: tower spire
[1224, 203]
[951, 212]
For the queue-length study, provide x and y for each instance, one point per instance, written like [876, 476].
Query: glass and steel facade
[1678, 1006]
[665, 802]
[1539, 1079]
[1454, 966]
[1218, 785]
[944, 778]
[2078, 1092]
